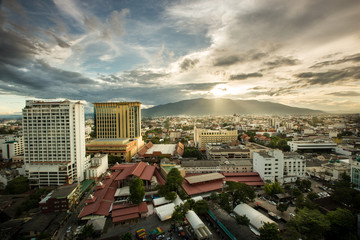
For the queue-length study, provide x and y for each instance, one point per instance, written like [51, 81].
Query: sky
[302, 53]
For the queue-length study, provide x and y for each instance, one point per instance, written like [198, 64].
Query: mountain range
[222, 106]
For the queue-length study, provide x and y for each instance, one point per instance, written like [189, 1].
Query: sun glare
[219, 90]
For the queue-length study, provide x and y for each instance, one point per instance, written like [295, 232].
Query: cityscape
[177, 120]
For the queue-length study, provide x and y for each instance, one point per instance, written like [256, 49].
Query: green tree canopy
[137, 191]
[273, 188]
[269, 231]
[243, 220]
[342, 224]
[310, 223]
[201, 207]
[17, 185]
[192, 152]
[240, 192]
[282, 207]
[86, 232]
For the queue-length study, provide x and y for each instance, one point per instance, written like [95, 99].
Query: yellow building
[121, 147]
[165, 169]
[117, 119]
[204, 136]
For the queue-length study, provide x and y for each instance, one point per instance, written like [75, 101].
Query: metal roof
[204, 178]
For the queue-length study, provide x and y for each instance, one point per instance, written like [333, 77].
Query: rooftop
[204, 178]
[167, 149]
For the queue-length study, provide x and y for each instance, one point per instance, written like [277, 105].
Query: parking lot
[149, 223]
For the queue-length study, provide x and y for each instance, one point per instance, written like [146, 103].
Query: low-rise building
[98, 166]
[217, 151]
[294, 166]
[125, 148]
[270, 165]
[61, 199]
[202, 137]
[311, 145]
[222, 165]
[151, 152]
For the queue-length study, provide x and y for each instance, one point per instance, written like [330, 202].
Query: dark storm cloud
[345, 94]
[15, 49]
[230, 59]
[329, 77]
[188, 63]
[244, 76]
[351, 58]
[282, 61]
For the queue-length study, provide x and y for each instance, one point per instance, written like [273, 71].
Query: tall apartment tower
[117, 119]
[54, 142]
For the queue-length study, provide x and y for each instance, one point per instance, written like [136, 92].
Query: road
[72, 219]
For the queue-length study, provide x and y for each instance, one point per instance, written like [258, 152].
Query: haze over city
[302, 53]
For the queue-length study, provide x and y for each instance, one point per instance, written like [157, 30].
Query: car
[292, 215]
[232, 215]
[272, 203]
[262, 198]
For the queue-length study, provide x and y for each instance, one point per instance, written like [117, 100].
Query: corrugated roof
[139, 169]
[125, 217]
[204, 178]
[202, 188]
[148, 173]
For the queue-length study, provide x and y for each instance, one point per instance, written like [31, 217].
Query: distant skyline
[298, 53]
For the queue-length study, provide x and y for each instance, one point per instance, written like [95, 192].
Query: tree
[282, 207]
[173, 179]
[214, 196]
[126, 236]
[312, 196]
[224, 201]
[17, 185]
[310, 223]
[269, 231]
[201, 207]
[86, 232]
[114, 159]
[273, 188]
[342, 224]
[192, 152]
[296, 192]
[179, 213]
[243, 220]
[171, 196]
[240, 192]
[137, 191]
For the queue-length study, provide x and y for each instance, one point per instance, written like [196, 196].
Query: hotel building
[117, 119]
[54, 142]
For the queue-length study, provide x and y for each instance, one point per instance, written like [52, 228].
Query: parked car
[272, 203]
[292, 215]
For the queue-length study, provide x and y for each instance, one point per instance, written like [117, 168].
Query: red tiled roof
[125, 217]
[159, 178]
[148, 173]
[139, 169]
[125, 172]
[202, 187]
[104, 199]
[125, 211]
[240, 174]
[143, 207]
[121, 166]
[119, 206]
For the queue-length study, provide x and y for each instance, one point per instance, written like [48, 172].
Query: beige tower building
[117, 119]
[204, 136]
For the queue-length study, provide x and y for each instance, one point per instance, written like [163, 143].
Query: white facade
[302, 145]
[98, 165]
[294, 167]
[269, 165]
[54, 142]
[12, 146]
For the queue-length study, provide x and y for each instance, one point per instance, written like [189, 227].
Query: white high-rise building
[54, 142]
[269, 165]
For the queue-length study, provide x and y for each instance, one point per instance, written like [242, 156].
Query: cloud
[282, 61]
[352, 58]
[188, 63]
[244, 76]
[345, 94]
[329, 77]
[227, 61]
